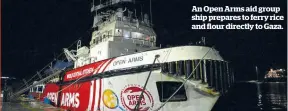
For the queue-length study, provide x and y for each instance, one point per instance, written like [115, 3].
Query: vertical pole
[205, 72]
[257, 73]
[151, 11]
[5, 91]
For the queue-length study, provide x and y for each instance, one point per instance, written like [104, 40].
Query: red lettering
[133, 99]
[128, 97]
[143, 102]
[133, 102]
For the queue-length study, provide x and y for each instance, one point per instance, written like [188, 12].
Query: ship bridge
[117, 32]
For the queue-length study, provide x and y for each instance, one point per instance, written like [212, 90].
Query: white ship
[124, 70]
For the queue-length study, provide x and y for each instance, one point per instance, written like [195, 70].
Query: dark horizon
[35, 31]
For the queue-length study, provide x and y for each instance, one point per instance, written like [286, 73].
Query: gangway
[48, 72]
[21, 91]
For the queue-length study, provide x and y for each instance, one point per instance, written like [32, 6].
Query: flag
[147, 38]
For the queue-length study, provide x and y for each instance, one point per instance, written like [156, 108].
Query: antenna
[135, 13]
[142, 19]
[93, 3]
[151, 11]
[203, 40]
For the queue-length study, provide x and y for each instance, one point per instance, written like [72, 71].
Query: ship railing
[124, 20]
[35, 84]
[38, 76]
[41, 73]
[108, 3]
[132, 21]
[138, 41]
[122, 38]
[34, 79]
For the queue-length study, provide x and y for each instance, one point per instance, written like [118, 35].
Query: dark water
[254, 97]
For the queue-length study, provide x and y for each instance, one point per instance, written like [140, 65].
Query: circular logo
[110, 100]
[130, 96]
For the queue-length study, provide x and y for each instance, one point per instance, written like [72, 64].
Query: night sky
[34, 31]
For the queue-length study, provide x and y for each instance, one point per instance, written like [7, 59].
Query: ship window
[119, 18]
[126, 34]
[167, 88]
[137, 35]
[109, 33]
[40, 88]
[96, 40]
[152, 39]
[118, 32]
[34, 89]
[101, 38]
[104, 38]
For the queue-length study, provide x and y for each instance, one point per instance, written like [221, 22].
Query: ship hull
[121, 93]
[116, 84]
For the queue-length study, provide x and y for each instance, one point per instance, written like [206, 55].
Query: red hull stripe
[91, 95]
[94, 94]
[99, 99]
[92, 106]
[100, 90]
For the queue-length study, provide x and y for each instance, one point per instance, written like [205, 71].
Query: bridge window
[126, 34]
[137, 35]
[167, 88]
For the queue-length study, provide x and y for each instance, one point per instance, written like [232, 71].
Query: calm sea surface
[254, 96]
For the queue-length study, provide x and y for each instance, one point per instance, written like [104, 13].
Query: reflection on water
[254, 97]
[273, 95]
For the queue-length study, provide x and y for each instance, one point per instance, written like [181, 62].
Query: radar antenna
[151, 11]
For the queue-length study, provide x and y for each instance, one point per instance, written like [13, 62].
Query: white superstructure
[116, 33]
